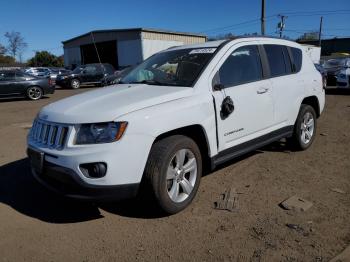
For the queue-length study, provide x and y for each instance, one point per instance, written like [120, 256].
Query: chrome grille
[49, 134]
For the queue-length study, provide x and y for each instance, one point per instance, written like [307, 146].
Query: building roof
[141, 29]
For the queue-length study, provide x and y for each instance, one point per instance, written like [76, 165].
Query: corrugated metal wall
[185, 39]
[132, 46]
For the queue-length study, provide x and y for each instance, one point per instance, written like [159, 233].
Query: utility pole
[262, 17]
[281, 24]
[320, 32]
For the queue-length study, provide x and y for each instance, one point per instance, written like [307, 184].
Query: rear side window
[297, 58]
[7, 76]
[277, 56]
[242, 66]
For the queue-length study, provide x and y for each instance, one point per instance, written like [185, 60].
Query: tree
[221, 37]
[5, 59]
[2, 49]
[16, 44]
[46, 59]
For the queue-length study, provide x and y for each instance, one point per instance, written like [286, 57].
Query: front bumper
[343, 83]
[66, 182]
[63, 82]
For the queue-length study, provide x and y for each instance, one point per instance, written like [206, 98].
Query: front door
[7, 83]
[240, 77]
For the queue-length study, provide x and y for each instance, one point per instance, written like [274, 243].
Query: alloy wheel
[307, 128]
[181, 175]
[34, 93]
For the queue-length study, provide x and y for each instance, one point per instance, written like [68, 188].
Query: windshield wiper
[149, 82]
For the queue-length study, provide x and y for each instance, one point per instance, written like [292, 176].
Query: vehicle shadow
[338, 91]
[19, 190]
[16, 99]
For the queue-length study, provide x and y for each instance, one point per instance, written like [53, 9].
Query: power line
[293, 14]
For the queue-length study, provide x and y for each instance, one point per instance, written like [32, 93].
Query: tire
[305, 128]
[34, 93]
[173, 187]
[75, 83]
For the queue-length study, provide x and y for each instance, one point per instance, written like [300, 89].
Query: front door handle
[262, 90]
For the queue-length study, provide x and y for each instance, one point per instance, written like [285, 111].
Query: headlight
[98, 133]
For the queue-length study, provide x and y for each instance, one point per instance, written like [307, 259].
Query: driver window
[242, 66]
[90, 70]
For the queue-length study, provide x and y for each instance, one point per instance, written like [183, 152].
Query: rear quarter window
[297, 58]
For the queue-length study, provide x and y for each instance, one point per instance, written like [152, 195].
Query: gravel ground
[36, 225]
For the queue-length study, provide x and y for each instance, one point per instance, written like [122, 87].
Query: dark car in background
[54, 72]
[117, 76]
[18, 83]
[85, 74]
[332, 68]
[323, 73]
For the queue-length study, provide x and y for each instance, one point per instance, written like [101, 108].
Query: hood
[106, 104]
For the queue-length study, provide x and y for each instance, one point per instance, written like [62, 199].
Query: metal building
[123, 47]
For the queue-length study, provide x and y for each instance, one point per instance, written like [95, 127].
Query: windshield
[334, 63]
[173, 67]
[77, 70]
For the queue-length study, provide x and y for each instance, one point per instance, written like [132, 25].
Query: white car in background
[38, 71]
[343, 78]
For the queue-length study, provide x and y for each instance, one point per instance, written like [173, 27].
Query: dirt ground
[36, 225]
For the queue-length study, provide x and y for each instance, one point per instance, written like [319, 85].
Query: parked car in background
[85, 74]
[18, 83]
[117, 76]
[333, 67]
[54, 72]
[323, 73]
[343, 77]
[37, 71]
[180, 111]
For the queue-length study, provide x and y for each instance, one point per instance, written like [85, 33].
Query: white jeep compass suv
[179, 111]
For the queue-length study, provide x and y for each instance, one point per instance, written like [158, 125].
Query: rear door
[241, 75]
[287, 84]
[90, 73]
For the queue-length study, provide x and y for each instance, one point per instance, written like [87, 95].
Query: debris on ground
[228, 201]
[323, 134]
[296, 227]
[296, 203]
[338, 190]
[343, 256]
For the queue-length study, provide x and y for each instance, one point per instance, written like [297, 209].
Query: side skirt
[251, 145]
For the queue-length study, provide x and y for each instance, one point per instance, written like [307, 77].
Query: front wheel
[304, 128]
[173, 170]
[34, 93]
[75, 84]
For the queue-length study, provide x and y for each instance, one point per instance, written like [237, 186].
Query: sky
[45, 24]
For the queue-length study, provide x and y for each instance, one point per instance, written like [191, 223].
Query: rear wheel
[304, 128]
[75, 83]
[173, 170]
[34, 93]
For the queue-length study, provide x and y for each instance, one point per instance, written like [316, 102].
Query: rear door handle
[262, 90]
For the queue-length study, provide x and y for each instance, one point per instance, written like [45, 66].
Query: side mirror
[218, 87]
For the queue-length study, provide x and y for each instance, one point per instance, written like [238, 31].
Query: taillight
[50, 82]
